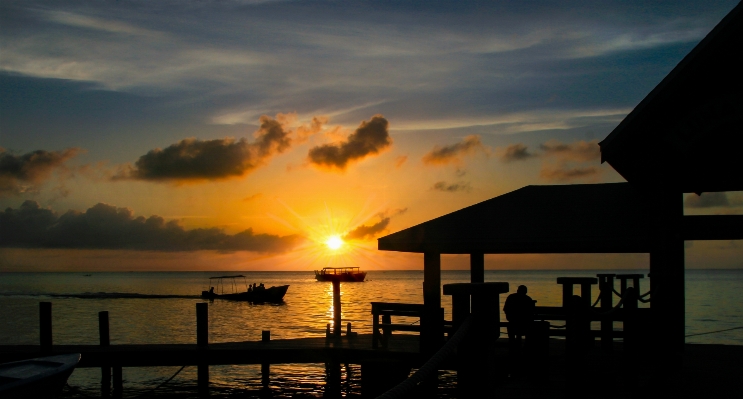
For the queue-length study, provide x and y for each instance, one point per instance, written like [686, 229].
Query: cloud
[706, 200]
[370, 138]
[305, 131]
[108, 227]
[515, 152]
[369, 231]
[400, 161]
[455, 152]
[579, 151]
[363, 231]
[198, 160]
[451, 188]
[564, 172]
[19, 173]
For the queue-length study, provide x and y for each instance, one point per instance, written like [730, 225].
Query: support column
[202, 342]
[336, 307]
[667, 270]
[606, 293]
[477, 268]
[431, 323]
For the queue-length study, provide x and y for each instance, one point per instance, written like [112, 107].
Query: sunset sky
[242, 135]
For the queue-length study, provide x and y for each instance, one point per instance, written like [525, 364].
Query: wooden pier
[354, 350]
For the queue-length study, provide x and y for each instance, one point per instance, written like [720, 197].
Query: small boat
[257, 294]
[340, 273]
[42, 377]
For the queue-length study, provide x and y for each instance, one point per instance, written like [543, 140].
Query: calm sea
[162, 310]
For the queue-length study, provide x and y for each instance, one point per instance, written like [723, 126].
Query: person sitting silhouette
[211, 290]
[519, 310]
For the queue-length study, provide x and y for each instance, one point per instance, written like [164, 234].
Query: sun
[334, 242]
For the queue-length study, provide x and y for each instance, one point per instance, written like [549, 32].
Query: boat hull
[270, 295]
[345, 277]
[42, 377]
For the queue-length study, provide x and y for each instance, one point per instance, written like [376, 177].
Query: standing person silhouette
[519, 310]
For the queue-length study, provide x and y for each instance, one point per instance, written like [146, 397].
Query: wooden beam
[477, 267]
[713, 227]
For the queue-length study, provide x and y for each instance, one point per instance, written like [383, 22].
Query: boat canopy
[339, 268]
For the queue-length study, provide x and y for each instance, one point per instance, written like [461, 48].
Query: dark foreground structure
[684, 137]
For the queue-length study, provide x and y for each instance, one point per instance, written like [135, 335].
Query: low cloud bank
[370, 138]
[20, 173]
[108, 227]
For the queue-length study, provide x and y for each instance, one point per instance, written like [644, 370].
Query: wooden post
[45, 327]
[567, 294]
[202, 342]
[460, 309]
[336, 307]
[431, 326]
[103, 333]
[477, 268]
[386, 332]
[667, 268]
[631, 325]
[265, 366]
[474, 353]
[606, 293]
[585, 293]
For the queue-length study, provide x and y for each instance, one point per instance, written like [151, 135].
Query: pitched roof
[580, 218]
[686, 135]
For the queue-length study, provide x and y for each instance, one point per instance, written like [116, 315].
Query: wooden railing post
[606, 293]
[202, 342]
[336, 307]
[105, 340]
[265, 366]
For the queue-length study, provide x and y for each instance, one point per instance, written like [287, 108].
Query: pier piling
[202, 341]
[336, 307]
[265, 366]
[606, 293]
[105, 340]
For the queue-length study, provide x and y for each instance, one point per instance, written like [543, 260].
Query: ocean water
[160, 307]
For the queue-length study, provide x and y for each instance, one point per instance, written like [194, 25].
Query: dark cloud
[515, 152]
[369, 231]
[108, 227]
[19, 173]
[706, 200]
[364, 231]
[565, 172]
[454, 187]
[370, 138]
[453, 153]
[579, 151]
[194, 160]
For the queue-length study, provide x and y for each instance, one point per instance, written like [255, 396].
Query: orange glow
[334, 242]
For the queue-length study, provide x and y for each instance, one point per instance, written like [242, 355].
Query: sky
[242, 135]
